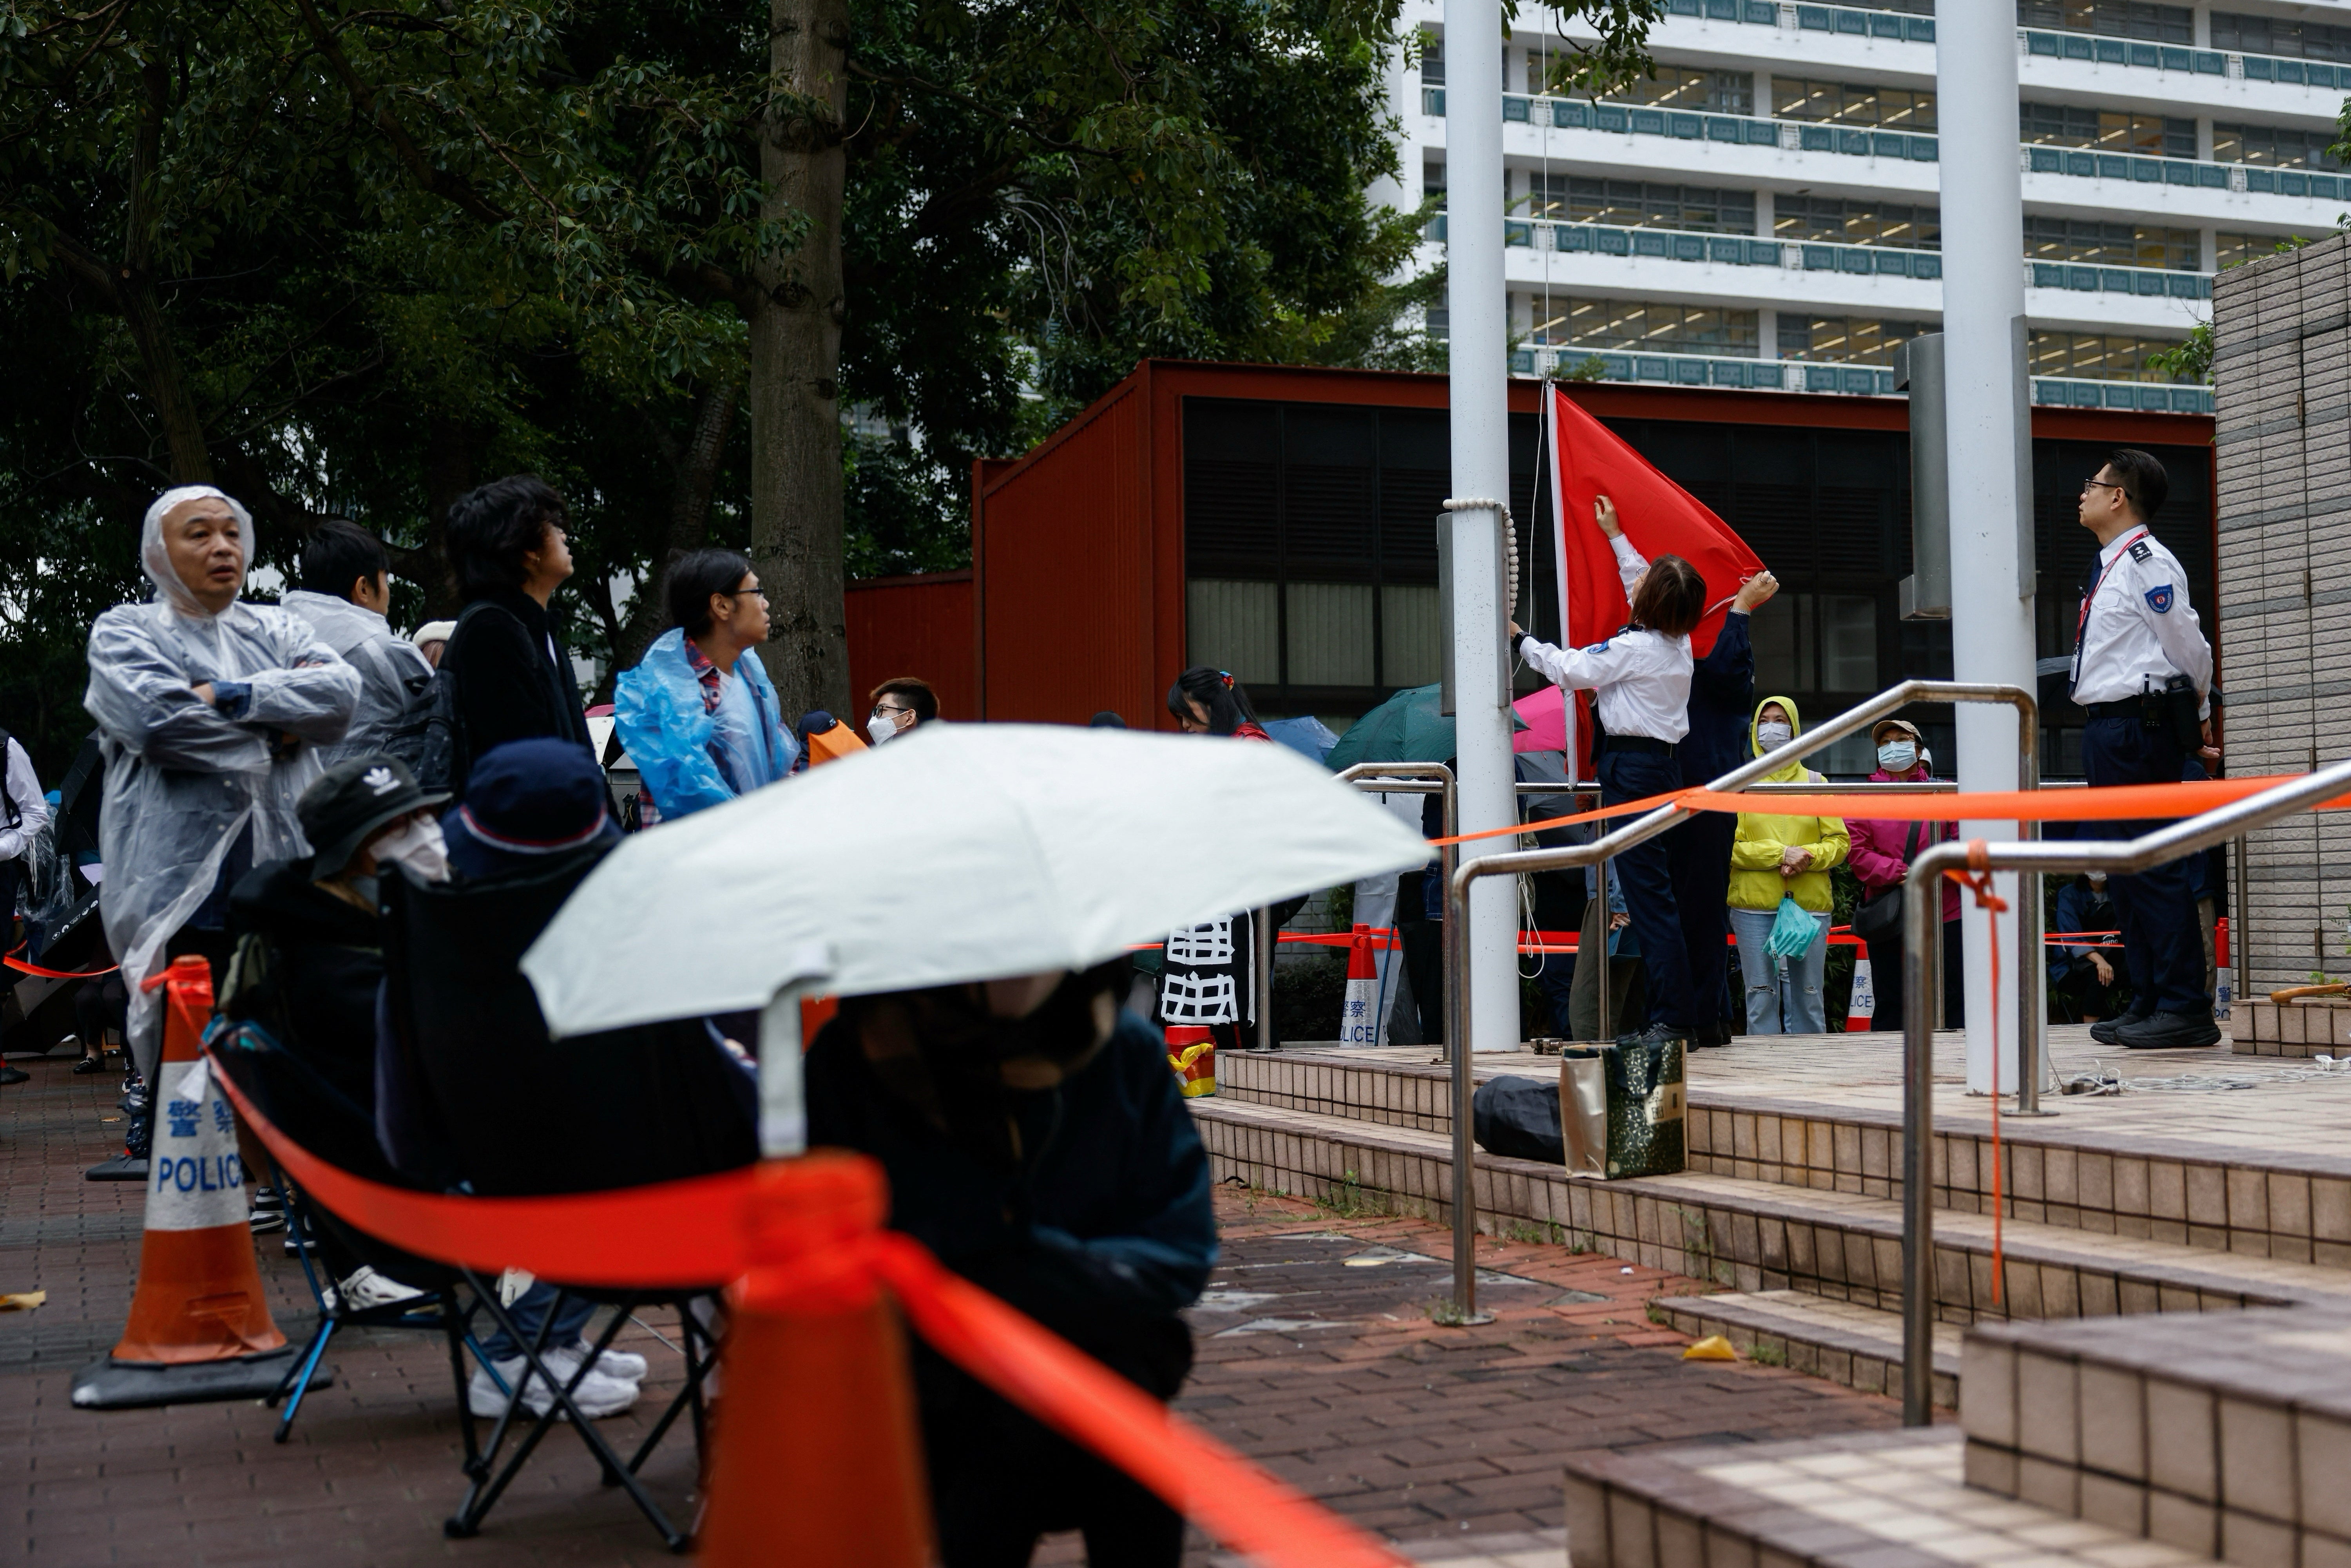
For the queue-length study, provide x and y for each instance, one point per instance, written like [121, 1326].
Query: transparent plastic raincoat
[690, 758]
[182, 780]
[394, 677]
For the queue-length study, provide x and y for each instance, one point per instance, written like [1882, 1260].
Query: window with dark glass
[2245, 35]
[1699, 91]
[1432, 58]
[1844, 340]
[2275, 146]
[2107, 129]
[1856, 220]
[1848, 103]
[1635, 204]
[2095, 356]
[2111, 245]
[1650, 326]
[2236, 249]
[2114, 19]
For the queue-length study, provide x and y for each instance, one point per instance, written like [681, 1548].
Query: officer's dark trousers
[1646, 875]
[2163, 949]
[1699, 851]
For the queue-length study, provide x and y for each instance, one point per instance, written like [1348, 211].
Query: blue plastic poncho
[690, 758]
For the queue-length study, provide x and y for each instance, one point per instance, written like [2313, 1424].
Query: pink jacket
[1877, 853]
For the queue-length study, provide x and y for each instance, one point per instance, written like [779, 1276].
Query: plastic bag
[1792, 931]
[1519, 1118]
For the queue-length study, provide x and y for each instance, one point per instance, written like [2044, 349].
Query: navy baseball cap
[525, 802]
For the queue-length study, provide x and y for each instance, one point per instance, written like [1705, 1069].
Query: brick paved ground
[1317, 1356]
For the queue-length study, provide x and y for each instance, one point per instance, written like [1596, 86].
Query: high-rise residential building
[1762, 211]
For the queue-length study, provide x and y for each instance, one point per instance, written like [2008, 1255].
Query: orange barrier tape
[1977, 879]
[694, 1232]
[19, 965]
[2110, 803]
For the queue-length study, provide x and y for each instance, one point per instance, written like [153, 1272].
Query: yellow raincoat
[1755, 879]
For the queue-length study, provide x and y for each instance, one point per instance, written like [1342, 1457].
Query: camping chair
[511, 1112]
[309, 1110]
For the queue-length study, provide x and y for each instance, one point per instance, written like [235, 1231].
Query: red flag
[1658, 516]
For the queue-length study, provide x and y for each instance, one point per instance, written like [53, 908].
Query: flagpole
[1479, 331]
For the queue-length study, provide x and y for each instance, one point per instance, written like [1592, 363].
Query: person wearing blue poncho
[698, 714]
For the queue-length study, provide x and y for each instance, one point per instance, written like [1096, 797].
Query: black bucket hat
[352, 799]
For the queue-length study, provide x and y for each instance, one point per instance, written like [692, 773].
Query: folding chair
[308, 1109]
[512, 1113]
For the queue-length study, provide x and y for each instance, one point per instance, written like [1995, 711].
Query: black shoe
[13, 1075]
[88, 1064]
[122, 1168]
[1655, 1034]
[2169, 1031]
[2106, 1031]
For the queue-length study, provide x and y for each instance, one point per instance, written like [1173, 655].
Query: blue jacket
[1721, 701]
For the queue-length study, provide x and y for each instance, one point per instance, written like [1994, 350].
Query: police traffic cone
[1862, 1013]
[817, 1391]
[1192, 1053]
[1359, 1020]
[200, 1327]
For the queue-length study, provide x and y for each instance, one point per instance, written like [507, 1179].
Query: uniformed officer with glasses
[2143, 671]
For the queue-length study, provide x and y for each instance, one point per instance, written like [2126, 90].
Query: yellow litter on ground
[1713, 1347]
[23, 1300]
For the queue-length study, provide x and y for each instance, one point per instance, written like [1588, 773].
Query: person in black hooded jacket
[1035, 1140]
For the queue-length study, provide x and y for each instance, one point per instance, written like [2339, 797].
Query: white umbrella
[957, 852]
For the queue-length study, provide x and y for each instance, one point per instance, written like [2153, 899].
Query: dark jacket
[1721, 702]
[512, 681]
[1107, 1219]
[2081, 907]
[309, 967]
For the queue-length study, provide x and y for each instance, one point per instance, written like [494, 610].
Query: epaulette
[2142, 552]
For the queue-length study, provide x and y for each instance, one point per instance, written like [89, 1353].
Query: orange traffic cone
[200, 1327]
[1861, 1013]
[1359, 1022]
[819, 1395]
[1192, 1053]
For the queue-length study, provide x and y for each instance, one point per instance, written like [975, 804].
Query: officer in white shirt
[2143, 671]
[1640, 680]
[24, 812]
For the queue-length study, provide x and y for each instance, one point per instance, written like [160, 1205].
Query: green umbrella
[1404, 728]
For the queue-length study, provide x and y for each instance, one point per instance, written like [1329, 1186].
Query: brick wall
[2283, 368]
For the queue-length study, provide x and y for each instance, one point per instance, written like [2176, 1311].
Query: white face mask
[420, 847]
[881, 727]
[1898, 755]
[1770, 736]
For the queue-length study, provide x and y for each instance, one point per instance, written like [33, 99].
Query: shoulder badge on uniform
[1601, 646]
[2141, 552]
[2158, 599]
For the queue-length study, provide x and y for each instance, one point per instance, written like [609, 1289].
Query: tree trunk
[134, 291]
[794, 388]
[695, 468]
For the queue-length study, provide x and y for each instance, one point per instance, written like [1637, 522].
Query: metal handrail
[2168, 844]
[1648, 826]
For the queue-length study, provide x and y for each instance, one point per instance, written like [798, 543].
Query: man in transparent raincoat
[210, 716]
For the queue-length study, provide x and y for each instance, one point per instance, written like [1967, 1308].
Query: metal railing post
[1262, 922]
[2039, 857]
[1640, 830]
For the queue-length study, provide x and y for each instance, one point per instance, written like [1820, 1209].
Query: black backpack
[443, 759]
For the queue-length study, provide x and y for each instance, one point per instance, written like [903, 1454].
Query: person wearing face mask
[1035, 1141]
[307, 954]
[698, 714]
[900, 706]
[210, 714]
[1776, 857]
[1881, 856]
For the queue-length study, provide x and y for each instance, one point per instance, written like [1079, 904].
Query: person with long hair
[1210, 702]
[1640, 679]
[698, 714]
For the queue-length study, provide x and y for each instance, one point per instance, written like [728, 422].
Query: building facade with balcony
[1763, 213]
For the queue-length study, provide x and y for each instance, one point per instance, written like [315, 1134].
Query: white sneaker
[597, 1396]
[626, 1366]
[365, 1288]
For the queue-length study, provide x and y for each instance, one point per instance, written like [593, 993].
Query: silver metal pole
[2240, 932]
[1607, 961]
[2043, 857]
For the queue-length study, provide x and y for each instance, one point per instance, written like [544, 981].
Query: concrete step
[2153, 1166]
[1858, 1346]
[1747, 1235]
[2227, 1435]
[1870, 1500]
